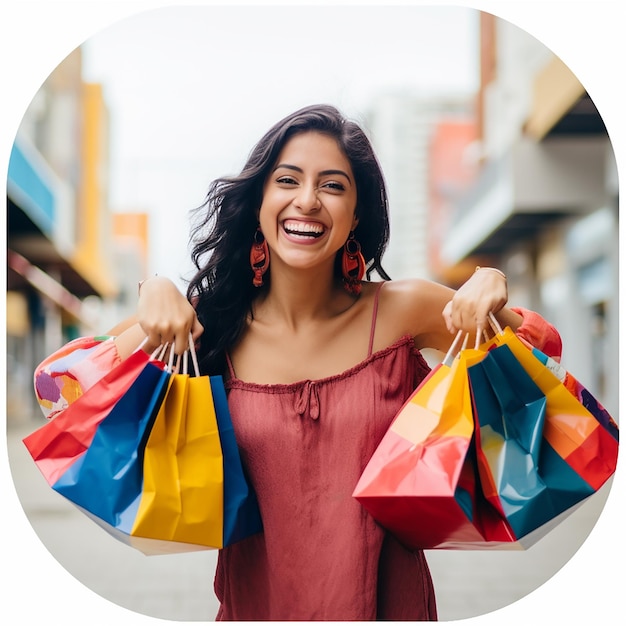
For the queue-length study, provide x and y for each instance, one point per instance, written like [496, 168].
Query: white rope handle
[464, 346]
[141, 345]
[497, 329]
[159, 353]
[484, 336]
[173, 364]
[449, 355]
[170, 364]
[449, 358]
[194, 358]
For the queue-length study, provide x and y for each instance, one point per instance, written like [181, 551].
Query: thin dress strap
[231, 369]
[374, 314]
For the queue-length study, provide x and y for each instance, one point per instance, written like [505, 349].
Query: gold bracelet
[493, 269]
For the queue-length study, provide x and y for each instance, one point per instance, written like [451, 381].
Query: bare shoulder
[412, 307]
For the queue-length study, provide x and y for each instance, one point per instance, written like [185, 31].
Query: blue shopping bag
[107, 479]
[241, 510]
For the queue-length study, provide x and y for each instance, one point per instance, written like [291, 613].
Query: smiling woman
[318, 359]
[309, 203]
[154, 68]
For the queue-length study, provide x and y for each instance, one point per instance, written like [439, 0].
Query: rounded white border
[36, 36]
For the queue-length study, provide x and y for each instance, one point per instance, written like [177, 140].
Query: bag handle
[159, 352]
[173, 363]
[194, 358]
[450, 355]
[495, 326]
[449, 358]
[141, 345]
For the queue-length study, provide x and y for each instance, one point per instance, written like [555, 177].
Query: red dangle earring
[259, 257]
[352, 265]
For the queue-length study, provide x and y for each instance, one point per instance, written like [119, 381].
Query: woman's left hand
[485, 291]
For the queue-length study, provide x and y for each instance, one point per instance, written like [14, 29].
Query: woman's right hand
[165, 315]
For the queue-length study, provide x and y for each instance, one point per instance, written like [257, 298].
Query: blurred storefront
[60, 255]
[543, 204]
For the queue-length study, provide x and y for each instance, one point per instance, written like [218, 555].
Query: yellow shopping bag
[183, 475]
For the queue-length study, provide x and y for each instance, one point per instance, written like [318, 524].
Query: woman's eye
[334, 185]
[286, 180]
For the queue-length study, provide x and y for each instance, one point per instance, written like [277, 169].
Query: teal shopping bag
[520, 472]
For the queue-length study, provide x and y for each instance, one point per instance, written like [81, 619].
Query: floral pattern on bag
[66, 374]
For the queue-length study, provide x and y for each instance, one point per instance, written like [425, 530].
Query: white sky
[191, 89]
[36, 36]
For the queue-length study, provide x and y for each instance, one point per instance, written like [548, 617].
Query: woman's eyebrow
[295, 168]
[286, 166]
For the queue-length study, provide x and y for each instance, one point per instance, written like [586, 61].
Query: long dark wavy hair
[222, 234]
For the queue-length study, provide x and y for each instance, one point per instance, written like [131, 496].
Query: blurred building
[521, 176]
[543, 205]
[131, 236]
[61, 257]
[453, 167]
[401, 127]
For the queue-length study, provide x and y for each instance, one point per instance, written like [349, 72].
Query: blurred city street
[179, 587]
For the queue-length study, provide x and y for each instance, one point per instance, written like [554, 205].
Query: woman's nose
[307, 198]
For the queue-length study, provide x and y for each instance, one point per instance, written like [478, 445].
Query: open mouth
[306, 230]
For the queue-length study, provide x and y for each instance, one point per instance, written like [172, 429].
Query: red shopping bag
[420, 483]
[58, 443]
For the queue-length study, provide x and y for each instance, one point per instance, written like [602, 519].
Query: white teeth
[306, 228]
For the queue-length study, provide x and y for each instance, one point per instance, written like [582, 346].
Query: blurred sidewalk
[180, 587]
[176, 587]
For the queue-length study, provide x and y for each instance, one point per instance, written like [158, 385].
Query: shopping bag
[107, 479]
[59, 442]
[581, 432]
[242, 517]
[536, 454]
[195, 489]
[540, 450]
[156, 475]
[420, 483]
[580, 392]
[182, 495]
[520, 472]
[63, 376]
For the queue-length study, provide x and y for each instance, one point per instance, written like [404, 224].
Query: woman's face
[309, 201]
